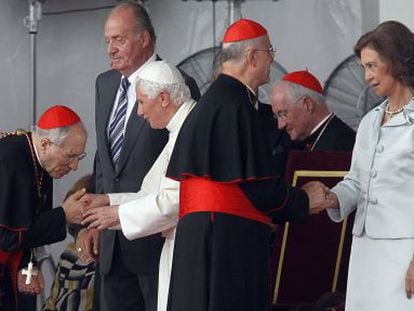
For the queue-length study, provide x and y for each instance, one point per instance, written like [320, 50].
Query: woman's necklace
[391, 113]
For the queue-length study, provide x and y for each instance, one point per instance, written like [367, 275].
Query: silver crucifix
[29, 272]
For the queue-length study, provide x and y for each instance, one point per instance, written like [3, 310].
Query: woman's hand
[409, 280]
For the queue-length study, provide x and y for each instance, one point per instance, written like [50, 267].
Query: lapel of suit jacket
[133, 129]
[108, 94]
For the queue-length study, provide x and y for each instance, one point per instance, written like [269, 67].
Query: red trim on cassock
[199, 194]
[12, 229]
[239, 180]
[12, 261]
[282, 205]
[18, 230]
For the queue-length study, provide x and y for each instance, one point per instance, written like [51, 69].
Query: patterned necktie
[116, 128]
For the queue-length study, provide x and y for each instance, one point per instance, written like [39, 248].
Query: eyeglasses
[271, 50]
[283, 115]
[69, 156]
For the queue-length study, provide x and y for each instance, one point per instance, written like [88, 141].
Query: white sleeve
[120, 198]
[152, 213]
[347, 191]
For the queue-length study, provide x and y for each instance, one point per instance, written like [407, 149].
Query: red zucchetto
[305, 79]
[57, 116]
[243, 29]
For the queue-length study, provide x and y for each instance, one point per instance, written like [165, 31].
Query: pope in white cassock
[164, 101]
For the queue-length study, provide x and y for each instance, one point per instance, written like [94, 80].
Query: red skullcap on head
[243, 29]
[304, 78]
[57, 116]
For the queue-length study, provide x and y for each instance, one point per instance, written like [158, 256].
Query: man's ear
[250, 57]
[309, 104]
[165, 98]
[145, 39]
[44, 144]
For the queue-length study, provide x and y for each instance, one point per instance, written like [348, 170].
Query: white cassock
[154, 208]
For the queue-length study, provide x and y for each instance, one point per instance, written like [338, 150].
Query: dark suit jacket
[337, 136]
[141, 147]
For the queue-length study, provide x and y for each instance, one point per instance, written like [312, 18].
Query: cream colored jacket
[380, 183]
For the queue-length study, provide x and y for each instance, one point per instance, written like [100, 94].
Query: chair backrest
[311, 259]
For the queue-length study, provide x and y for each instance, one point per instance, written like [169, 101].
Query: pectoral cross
[29, 272]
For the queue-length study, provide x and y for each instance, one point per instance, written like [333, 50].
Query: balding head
[298, 109]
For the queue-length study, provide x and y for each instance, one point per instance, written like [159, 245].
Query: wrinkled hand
[73, 207]
[87, 244]
[320, 197]
[95, 200]
[409, 280]
[102, 217]
[35, 287]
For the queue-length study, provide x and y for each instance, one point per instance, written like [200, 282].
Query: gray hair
[297, 91]
[143, 21]
[233, 51]
[179, 92]
[55, 135]
[217, 65]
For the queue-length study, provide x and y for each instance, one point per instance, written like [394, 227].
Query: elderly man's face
[265, 55]
[152, 109]
[124, 43]
[59, 160]
[293, 117]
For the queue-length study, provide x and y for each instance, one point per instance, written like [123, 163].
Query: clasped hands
[320, 197]
[92, 211]
[98, 214]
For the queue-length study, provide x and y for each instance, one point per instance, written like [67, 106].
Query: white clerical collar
[320, 123]
[251, 90]
[175, 121]
[36, 152]
[134, 76]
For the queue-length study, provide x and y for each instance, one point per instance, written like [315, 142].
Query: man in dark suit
[126, 150]
[301, 110]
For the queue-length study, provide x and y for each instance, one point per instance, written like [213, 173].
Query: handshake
[320, 197]
[90, 209]
[94, 212]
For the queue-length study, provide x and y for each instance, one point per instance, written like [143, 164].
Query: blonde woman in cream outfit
[380, 183]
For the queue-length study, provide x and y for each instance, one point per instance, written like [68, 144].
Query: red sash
[199, 194]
